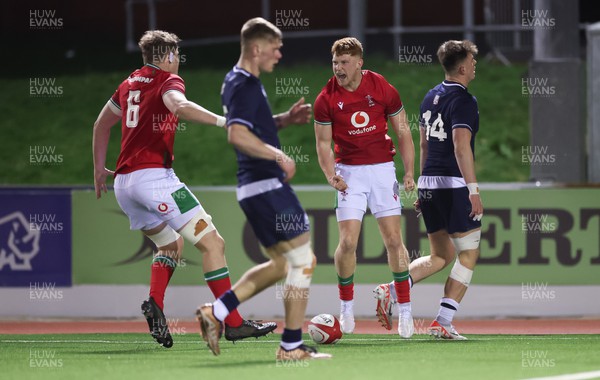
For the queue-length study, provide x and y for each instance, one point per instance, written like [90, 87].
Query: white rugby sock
[448, 308]
[404, 308]
[220, 310]
[348, 307]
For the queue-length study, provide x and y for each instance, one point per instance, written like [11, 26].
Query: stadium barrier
[66, 254]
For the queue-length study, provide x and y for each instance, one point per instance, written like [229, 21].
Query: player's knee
[394, 244]
[439, 262]
[347, 245]
[301, 265]
[461, 273]
[280, 264]
[166, 239]
[169, 244]
[214, 240]
[198, 227]
[173, 250]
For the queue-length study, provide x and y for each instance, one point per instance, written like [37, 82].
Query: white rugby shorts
[150, 197]
[372, 185]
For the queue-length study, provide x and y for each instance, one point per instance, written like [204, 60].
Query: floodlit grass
[136, 356]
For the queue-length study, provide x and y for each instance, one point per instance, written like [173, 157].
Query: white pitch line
[571, 376]
[396, 339]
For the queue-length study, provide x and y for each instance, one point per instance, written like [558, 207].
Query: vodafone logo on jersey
[359, 119]
[163, 207]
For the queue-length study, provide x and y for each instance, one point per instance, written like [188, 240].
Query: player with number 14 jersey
[445, 107]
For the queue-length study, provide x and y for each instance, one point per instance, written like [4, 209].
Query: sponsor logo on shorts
[163, 207]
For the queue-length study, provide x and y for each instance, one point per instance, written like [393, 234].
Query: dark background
[92, 37]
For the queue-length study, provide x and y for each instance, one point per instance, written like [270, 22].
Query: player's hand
[287, 165]
[476, 207]
[100, 181]
[337, 182]
[409, 182]
[300, 113]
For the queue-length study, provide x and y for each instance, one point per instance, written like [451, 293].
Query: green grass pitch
[136, 356]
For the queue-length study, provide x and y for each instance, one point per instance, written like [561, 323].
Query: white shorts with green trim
[150, 197]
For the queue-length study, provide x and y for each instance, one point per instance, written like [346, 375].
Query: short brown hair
[347, 45]
[259, 28]
[452, 52]
[155, 44]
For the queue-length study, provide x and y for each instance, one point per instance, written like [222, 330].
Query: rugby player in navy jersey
[264, 194]
[449, 196]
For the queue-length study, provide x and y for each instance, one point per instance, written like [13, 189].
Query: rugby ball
[325, 329]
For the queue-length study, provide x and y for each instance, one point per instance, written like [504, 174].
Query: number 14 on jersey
[436, 129]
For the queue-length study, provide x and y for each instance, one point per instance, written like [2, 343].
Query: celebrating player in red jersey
[149, 103]
[353, 109]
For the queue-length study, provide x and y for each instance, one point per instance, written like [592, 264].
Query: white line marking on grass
[571, 376]
[394, 339]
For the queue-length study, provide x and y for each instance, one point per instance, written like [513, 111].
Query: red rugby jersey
[359, 119]
[148, 127]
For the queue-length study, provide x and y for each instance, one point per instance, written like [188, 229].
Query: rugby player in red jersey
[353, 110]
[149, 104]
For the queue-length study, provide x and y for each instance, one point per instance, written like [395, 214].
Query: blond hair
[155, 44]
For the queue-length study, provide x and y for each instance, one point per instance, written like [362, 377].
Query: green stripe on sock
[399, 277]
[165, 260]
[345, 281]
[217, 274]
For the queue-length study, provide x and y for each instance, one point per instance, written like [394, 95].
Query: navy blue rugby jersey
[245, 102]
[445, 107]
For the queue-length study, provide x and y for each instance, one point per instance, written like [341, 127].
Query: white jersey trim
[114, 107]
[440, 182]
[258, 187]
[240, 121]
[240, 70]
[462, 126]
[172, 89]
[397, 112]
[453, 84]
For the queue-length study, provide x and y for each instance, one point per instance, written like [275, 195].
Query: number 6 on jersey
[133, 110]
[436, 129]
